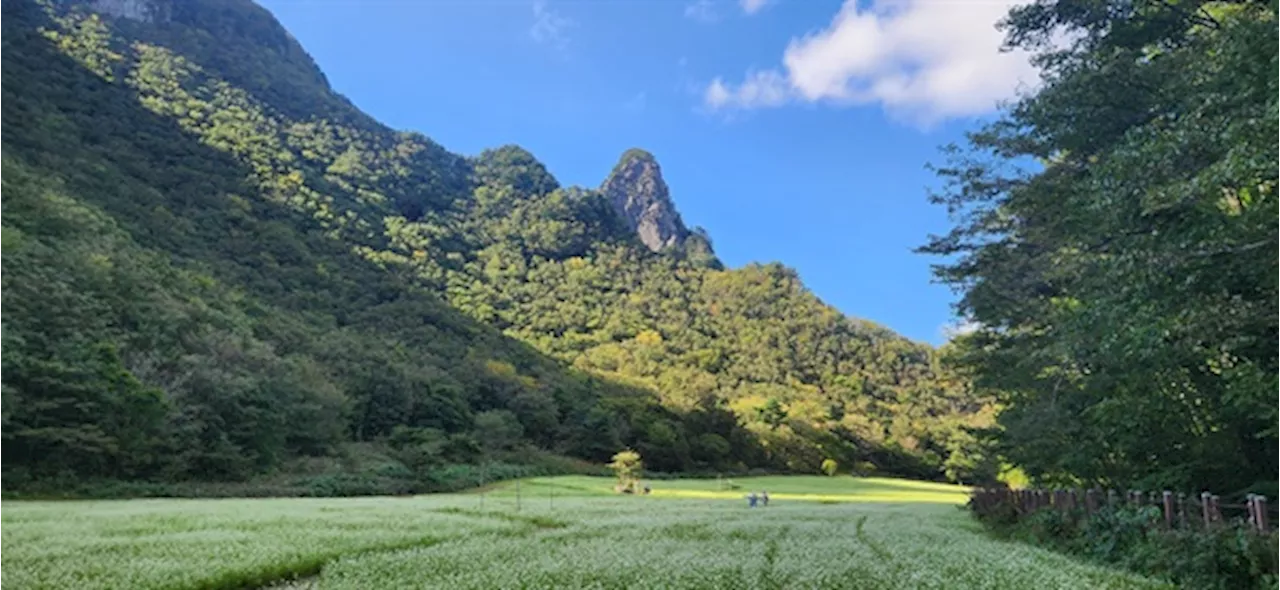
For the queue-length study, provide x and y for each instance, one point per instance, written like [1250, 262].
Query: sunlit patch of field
[781, 488]
[565, 532]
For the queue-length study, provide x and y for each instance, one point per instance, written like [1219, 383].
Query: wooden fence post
[1217, 508]
[1167, 497]
[1111, 498]
[1204, 508]
[1252, 507]
[1090, 501]
[1261, 503]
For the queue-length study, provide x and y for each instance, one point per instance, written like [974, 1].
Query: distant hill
[218, 267]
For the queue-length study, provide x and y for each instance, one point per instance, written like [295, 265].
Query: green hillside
[219, 268]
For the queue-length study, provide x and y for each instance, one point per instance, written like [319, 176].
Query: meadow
[555, 532]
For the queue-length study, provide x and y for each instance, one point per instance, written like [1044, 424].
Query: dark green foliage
[219, 268]
[1226, 557]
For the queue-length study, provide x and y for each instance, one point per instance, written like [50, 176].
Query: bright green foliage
[1125, 287]
[576, 538]
[260, 274]
[830, 467]
[627, 467]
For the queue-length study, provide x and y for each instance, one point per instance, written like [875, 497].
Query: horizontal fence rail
[1178, 510]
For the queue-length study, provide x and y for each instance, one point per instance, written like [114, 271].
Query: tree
[498, 429]
[627, 466]
[772, 413]
[1116, 245]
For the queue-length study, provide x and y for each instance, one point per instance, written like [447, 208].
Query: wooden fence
[1179, 510]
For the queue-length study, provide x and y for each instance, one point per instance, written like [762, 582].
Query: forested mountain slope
[217, 265]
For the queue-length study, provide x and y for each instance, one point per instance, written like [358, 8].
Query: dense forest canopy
[219, 269]
[1124, 288]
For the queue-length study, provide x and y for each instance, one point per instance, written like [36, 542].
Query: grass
[569, 532]
[811, 488]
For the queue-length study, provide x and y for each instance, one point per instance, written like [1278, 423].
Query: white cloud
[549, 26]
[702, 11]
[921, 59]
[765, 88]
[960, 327]
[752, 6]
[717, 95]
[636, 103]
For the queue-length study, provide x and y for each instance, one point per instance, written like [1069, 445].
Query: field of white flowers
[557, 539]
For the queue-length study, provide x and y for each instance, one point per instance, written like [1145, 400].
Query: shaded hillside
[218, 265]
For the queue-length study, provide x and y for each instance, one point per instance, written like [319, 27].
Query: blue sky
[792, 130]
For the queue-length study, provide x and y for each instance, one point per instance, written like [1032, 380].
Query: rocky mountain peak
[637, 192]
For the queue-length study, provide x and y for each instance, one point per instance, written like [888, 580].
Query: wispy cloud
[752, 6]
[550, 27]
[703, 11]
[766, 88]
[922, 60]
[636, 103]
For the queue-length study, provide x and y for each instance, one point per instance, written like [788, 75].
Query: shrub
[1229, 556]
[628, 467]
[864, 468]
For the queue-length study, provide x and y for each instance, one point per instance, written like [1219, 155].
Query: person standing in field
[764, 498]
[751, 500]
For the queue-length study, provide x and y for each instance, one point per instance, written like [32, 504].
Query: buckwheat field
[564, 532]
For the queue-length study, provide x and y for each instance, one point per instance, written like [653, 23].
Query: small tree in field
[830, 467]
[627, 466]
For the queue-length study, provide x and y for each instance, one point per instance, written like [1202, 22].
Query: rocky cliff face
[145, 10]
[640, 196]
